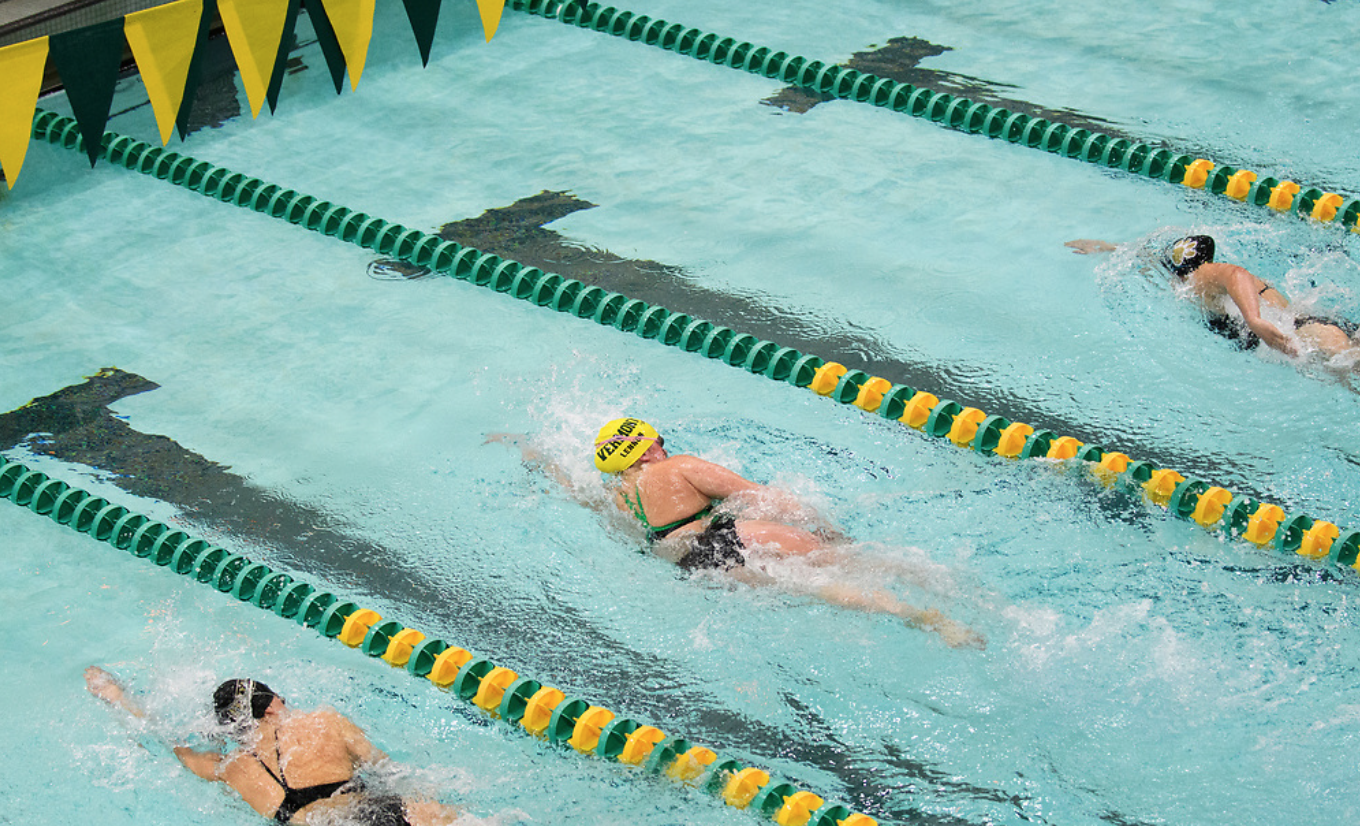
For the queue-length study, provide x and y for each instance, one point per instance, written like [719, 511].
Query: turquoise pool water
[1139, 669]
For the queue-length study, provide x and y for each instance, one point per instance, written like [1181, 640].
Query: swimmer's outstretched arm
[105, 686]
[538, 460]
[532, 456]
[1086, 246]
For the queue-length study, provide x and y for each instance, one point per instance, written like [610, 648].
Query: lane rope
[958, 113]
[542, 711]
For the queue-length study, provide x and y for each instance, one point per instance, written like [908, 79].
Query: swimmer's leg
[955, 634]
[432, 813]
[788, 539]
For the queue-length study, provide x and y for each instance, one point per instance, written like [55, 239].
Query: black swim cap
[233, 698]
[1189, 253]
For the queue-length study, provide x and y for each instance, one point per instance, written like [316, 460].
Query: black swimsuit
[1235, 329]
[717, 547]
[379, 810]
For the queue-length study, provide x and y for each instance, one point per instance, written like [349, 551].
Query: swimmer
[292, 766]
[702, 516]
[1221, 288]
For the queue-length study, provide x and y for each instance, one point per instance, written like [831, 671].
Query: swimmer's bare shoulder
[1087, 246]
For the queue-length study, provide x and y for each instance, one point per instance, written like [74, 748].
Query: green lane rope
[540, 710]
[958, 113]
[1209, 506]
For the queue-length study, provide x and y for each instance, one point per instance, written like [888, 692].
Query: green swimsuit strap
[635, 505]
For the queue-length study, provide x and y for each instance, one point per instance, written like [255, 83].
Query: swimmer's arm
[751, 577]
[538, 460]
[106, 687]
[1087, 246]
[361, 749]
[717, 482]
[532, 456]
[1242, 287]
[714, 481]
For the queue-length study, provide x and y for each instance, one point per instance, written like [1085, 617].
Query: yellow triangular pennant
[491, 16]
[352, 21]
[254, 29]
[162, 41]
[21, 74]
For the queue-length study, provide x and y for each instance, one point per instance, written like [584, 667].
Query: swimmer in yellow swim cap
[704, 517]
[693, 512]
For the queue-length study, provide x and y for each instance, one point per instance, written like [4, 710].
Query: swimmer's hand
[531, 454]
[103, 685]
[1273, 337]
[1086, 246]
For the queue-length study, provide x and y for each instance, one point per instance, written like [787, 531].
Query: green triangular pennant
[87, 60]
[330, 47]
[195, 68]
[281, 62]
[423, 14]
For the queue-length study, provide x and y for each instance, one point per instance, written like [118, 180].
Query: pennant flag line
[168, 44]
[195, 67]
[21, 73]
[163, 40]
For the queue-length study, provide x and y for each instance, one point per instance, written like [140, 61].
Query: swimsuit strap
[636, 506]
[278, 778]
[1265, 289]
[658, 533]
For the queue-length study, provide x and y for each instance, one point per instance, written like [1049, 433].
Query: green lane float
[541, 711]
[965, 427]
[953, 112]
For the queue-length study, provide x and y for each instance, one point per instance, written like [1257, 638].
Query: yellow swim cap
[621, 443]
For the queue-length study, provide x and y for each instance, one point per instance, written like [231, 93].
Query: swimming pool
[1140, 669]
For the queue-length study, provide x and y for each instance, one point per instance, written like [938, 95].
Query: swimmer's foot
[955, 634]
